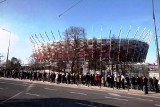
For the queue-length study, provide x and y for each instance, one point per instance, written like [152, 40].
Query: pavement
[96, 88]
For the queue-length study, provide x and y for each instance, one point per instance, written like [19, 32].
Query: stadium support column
[101, 52]
[119, 44]
[110, 46]
[156, 38]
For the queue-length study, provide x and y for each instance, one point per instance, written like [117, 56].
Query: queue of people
[112, 81]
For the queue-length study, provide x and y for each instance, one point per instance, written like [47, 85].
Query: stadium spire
[42, 37]
[47, 36]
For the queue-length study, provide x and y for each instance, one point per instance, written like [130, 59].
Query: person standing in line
[138, 83]
[142, 83]
[69, 78]
[155, 82]
[118, 80]
[92, 79]
[87, 79]
[43, 76]
[33, 75]
[122, 80]
[30, 75]
[56, 79]
[112, 81]
[77, 78]
[66, 78]
[145, 85]
[133, 82]
[127, 82]
[51, 77]
[96, 79]
[103, 81]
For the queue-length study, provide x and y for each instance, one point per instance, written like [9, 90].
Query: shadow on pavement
[52, 102]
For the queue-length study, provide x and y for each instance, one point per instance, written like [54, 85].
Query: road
[28, 94]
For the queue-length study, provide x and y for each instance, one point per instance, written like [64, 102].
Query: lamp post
[156, 39]
[8, 46]
[1, 57]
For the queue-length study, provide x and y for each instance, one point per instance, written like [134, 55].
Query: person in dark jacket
[145, 81]
[127, 82]
[138, 83]
[87, 79]
[155, 83]
[133, 82]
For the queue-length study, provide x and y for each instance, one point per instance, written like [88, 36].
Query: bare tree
[74, 37]
[14, 63]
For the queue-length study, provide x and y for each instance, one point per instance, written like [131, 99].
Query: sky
[24, 18]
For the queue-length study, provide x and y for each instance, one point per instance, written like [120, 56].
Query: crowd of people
[112, 81]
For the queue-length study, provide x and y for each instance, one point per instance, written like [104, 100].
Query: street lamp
[156, 39]
[8, 46]
[1, 57]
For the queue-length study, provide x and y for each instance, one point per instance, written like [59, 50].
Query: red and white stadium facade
[123, 50]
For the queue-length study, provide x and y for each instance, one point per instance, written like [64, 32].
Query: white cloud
[21, 50]
[4, 40]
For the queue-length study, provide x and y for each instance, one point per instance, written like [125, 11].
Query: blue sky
[28, 17]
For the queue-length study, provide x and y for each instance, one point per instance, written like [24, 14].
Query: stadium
[112, 51]
[123, 50]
